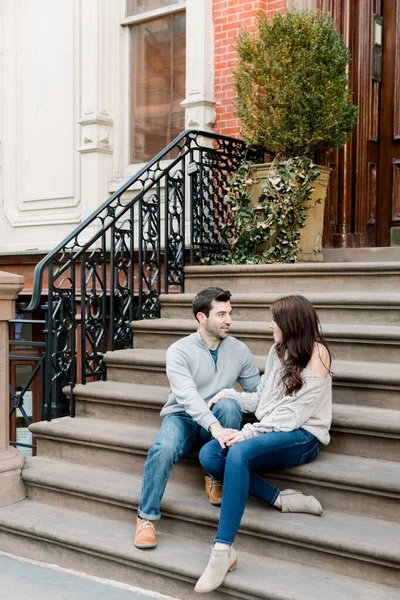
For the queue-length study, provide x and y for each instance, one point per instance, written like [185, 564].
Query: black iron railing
[114, 266]
[31, 353]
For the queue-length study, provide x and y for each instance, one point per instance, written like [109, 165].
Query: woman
[293, 408]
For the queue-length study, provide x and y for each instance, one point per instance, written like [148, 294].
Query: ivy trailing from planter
[269, 232]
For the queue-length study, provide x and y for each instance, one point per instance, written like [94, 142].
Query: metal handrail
[40, 267]
[113, 267]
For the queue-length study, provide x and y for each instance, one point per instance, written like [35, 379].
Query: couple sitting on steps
[292, 403]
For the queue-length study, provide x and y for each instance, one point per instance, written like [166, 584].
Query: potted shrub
[292, 99]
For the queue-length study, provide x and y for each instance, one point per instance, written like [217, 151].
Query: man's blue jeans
[178, 436]
[235, 467]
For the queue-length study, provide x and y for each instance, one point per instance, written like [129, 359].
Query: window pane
[135, 7]
[157, 85]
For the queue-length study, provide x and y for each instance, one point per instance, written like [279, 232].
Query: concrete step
[383, 253]
[356, 430]
[103, 547]
[189, 513]
[363, 308]
[368, 486]
[354, 382]
[380, 343]
[353, 277]
[365, 431]
[120, 401]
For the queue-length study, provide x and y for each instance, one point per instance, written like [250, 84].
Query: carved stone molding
[199, 102]
[96, 135]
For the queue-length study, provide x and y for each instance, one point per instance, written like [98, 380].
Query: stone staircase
[83, 487]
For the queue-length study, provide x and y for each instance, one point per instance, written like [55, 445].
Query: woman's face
[277, 332]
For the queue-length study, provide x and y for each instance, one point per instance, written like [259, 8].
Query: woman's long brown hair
[300, 326]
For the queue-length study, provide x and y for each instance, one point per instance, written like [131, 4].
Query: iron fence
[114, 266]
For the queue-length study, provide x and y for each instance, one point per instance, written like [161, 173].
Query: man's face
[219, 320]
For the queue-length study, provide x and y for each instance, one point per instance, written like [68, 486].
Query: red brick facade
[229, 17]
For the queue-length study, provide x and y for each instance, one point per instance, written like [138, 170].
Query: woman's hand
[216, 398]
[234, 438]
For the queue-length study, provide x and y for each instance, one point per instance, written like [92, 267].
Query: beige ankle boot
[220, 564]
[293, 501]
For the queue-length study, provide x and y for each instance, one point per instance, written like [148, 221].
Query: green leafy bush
[291, 83]
[269, 232]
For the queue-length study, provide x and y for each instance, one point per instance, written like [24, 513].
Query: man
[198, 366]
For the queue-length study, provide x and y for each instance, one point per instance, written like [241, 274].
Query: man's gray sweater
[195, 378]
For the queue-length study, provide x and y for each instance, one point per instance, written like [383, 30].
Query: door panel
[364, 202]
[389, 149]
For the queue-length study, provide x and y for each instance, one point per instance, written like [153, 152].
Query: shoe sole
[145, 547]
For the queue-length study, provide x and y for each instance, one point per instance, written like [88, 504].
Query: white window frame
[199, 101]
[175, 7]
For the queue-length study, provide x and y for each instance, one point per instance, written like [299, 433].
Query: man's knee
[228, 413]
[163, 453]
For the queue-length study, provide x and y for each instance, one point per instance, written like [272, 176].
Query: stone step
[353, 277]
[369, 486]
[188, 512]
[333, 307]
[354, 382]
[380, 343]
[356, 430]
[103, 547]
[365, 431]
[383, 253]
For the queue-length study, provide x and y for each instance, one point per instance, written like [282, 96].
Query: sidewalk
[24, 579]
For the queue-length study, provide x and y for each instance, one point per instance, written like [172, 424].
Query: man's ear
[201, 317]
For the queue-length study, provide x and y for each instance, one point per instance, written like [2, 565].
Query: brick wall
[229, 17]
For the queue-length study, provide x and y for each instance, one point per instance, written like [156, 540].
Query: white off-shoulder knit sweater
[310, 408]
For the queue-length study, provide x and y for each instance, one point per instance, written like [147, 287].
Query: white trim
[28, 211]
[153, 14]
[199, 102]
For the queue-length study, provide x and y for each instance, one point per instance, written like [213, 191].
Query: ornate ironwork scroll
[114, 266]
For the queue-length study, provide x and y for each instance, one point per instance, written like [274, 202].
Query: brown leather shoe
[145, 534]
[213, 490]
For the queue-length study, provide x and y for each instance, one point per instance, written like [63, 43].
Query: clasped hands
[225, 436]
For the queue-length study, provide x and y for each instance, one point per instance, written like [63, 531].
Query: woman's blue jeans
[236, 466]
[179, 435]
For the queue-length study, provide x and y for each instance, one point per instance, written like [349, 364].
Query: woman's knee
[237, 455]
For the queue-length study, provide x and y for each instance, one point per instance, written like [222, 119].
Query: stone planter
[310, 244]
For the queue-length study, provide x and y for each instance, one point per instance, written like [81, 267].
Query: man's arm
[184, 388]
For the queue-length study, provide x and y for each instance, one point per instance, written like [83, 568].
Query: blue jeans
[236, 466]
[178, 436]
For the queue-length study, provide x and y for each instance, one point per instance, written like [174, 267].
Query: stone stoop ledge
[289, 278]
[105, 548]
[380, 343]
[363, 307]
[336, 479]
[11, 461]
[364, 383]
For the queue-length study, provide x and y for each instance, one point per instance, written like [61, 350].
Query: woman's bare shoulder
[320, 361]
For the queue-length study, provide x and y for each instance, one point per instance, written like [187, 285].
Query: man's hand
[234, 438]
[221, 434]
[215, 399]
